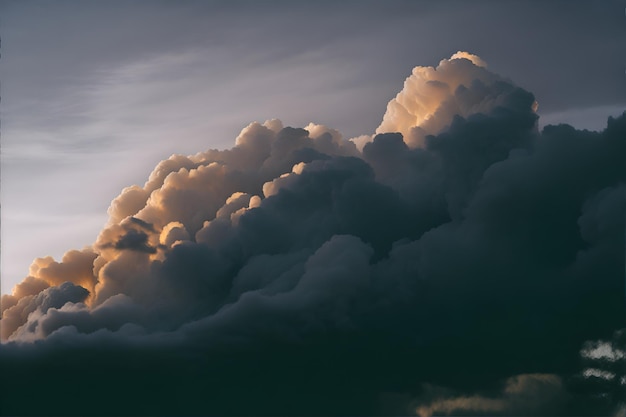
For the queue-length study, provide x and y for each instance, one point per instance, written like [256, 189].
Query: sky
[196, 190]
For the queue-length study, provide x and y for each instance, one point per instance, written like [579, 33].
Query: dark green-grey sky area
[464, 255]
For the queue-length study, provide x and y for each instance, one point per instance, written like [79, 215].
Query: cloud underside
[458, 247]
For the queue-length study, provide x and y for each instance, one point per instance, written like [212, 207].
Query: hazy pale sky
[95, 94]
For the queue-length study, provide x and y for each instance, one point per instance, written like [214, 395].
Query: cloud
[433, 97]
[601, 384]
[459, 247]
[528, 394]
[22, 321]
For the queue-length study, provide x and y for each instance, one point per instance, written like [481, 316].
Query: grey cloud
[134, 240]
[112, 314]
[23, 319]
[293, 268]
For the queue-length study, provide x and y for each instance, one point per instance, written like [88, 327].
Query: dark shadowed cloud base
[460, 261]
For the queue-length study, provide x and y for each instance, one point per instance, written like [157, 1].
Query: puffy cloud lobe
[46, 286]
[76, 266]
[112, 314]
[23, 320]
[458, 87]
[28, 287]
[173, 232]
[462, 250]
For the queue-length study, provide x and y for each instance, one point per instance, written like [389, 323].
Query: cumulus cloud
[433, 97]
[458, 246]
[22, 321]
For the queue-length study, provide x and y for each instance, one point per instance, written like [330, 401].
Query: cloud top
[433, 96]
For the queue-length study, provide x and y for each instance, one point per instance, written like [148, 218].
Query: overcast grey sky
[94, 94]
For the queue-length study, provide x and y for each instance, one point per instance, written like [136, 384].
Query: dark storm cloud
[293, 274]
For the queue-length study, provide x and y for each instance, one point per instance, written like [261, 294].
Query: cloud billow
[300, 272]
